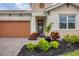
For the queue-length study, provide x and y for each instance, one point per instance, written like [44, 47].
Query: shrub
[35, 45]
[43, 44]
[71, 38]
[54, 44]
[30, 47]
[75, 53]
[77, 39]
[54, 35]
[34, 36]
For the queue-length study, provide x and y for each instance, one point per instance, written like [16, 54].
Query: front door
[40, 26]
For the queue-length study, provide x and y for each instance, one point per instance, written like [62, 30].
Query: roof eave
[52, 7]
[15, 11]
[57, 5]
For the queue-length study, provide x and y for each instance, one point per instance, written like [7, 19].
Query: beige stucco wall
[65, 32]
[54, 18]
[35, 6]
[14, 17]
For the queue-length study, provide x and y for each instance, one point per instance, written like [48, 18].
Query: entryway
[41, 21]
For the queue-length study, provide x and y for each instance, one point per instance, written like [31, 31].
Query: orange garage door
[14, 29]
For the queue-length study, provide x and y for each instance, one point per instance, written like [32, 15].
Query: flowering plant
[34, 36]
[54, 35]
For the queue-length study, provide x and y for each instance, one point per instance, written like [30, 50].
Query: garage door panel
[14, 29]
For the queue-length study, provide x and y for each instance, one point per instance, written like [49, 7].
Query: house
[21, 23]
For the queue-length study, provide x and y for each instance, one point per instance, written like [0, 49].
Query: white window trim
[67, 22]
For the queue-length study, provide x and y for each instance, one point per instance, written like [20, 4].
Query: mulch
[63, 48]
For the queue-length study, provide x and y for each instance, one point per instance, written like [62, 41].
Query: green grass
[74, 53]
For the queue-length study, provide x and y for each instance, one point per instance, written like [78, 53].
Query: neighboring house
[21, 23]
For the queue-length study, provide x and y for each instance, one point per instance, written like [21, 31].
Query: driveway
[11, 46]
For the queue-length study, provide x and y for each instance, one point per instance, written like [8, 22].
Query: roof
[59, 4]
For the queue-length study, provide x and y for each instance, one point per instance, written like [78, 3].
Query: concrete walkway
[11, 46]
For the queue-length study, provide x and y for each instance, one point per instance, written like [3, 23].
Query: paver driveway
[11, 46]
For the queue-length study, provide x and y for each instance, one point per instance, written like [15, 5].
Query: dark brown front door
[40, 26]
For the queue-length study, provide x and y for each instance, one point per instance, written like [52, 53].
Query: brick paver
[11, 46]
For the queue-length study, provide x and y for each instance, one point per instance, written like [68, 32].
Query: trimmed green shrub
[30, 47]
[43, 44]
[71, 38]
[77, 39]
[75, 53]
[54, 44]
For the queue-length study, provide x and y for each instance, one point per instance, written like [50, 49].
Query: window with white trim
[67, 22]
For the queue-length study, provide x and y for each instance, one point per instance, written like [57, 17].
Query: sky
[15, 6]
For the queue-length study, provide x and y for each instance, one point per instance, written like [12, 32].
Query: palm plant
[48, 28]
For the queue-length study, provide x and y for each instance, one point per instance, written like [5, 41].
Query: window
[71, 22]
[63, 21]
[67, 22]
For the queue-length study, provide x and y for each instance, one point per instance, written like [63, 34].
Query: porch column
[33, 24]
